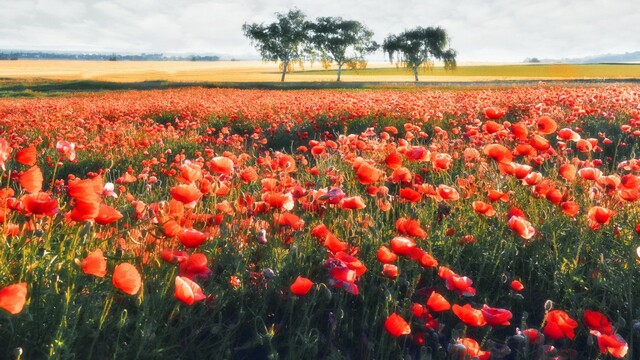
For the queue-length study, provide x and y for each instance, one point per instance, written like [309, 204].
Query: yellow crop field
[256, 71]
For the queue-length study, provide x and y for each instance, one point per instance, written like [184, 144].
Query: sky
[490, 30]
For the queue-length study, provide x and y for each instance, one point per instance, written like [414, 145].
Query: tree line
[292, 39]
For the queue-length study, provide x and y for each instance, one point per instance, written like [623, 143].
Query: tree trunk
[339, 70]
[415, 72]
[284, 70]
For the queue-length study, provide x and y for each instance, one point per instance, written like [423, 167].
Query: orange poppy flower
[127, 278]
[353, 203]
[448, 193]
[249, 175]
[367, 174]
[519, 130]
[27, 156]
[291, 220]
[13, 298]
[539, 143]
[385, 255]
[568, 172]
[469, 315]
[559, 325]
[423, 258]
[393, 160]
[410, 227]
[279, 200]
[483, 208]
[95, 264]
[31, 180]
[493, 113]
[397, 326]
[570, 208]
[498, 153]
[83, 210]
[437, 302]
[522, 227]
[613, 344]
[221, 165]
[5, 152]
[301, 286]
[188, 291]
[401, 174]
[567, 134]
[107, 215]
[492, 127]
[599, 216]
[186, 194]
[546, 125]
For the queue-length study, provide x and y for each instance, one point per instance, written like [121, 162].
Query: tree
[286, 40]
[420, 46]
[342, 41]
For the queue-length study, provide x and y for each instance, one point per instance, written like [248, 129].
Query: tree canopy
[420, 46]
[286, 40]
[342, 41]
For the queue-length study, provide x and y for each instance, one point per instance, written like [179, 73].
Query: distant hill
[44, 55]
[629, 57]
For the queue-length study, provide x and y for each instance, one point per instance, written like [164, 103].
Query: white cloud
[498, 30]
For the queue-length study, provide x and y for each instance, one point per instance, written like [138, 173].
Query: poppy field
[261, 224]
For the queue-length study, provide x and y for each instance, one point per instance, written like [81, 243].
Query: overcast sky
[490, 30]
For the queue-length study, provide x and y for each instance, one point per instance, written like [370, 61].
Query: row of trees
[291, 38]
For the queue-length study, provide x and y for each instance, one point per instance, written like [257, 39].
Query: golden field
[256, 71]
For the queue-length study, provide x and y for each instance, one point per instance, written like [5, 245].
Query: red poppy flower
[437, 302]
[13, 298]
[127, 278]
[596, 320]
[27, 156]
[559, 325]
[613, 344]
[495, 316]
[589, 173]
[188, 291]
[410, 195]
[423, 258]
[195, 267]
[279, 200]
[410, 227]
[599, 216]
[516, 285]
[519, 130]
[385, 255]
[301, 286]
[522, 227]
[402, 245]
[397, 326]
[390, 271]
[492, 127]
[95, 264]
[192, 238]
[448, 193]
[493, 113]
[40, 204]
[353, 203]
[460, 284]
[498, 153]
[570, 208]
[567, 134]
[469, 315]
